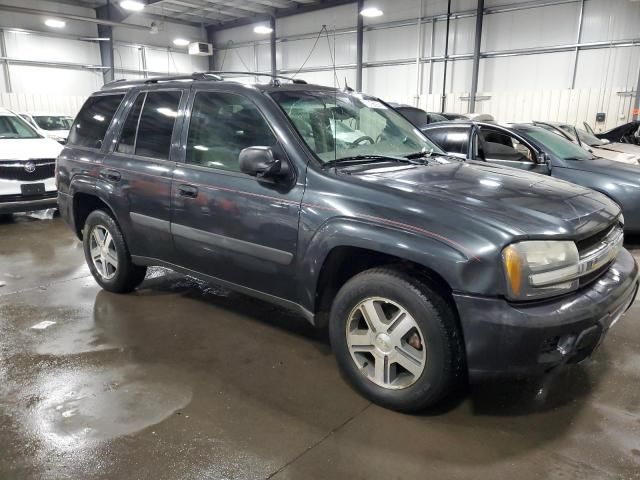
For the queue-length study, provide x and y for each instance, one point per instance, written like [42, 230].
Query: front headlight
[537, 269]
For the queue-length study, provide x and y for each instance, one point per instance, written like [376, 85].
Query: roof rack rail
[210, 75]
[274, 78]
[165, 78]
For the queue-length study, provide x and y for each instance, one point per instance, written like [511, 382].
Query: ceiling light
[262, 29]
[371, 12]
[132, 5]
[54, 23]
[181, 42]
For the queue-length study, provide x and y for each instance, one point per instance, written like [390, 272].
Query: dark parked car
[535, 149]
[424, 267]
[627, 133]
[417, 116]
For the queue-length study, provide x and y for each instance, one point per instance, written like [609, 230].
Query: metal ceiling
[218, 12]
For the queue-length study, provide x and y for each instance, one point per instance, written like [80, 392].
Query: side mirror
[543, 158]
[604, 141]
[260, 162]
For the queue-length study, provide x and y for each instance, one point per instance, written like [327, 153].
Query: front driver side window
[222, 125]
[497, 145]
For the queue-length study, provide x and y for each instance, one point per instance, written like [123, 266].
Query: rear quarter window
[93, 121]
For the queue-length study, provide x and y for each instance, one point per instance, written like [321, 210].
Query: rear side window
[93, 121]
[156, 124]
[452, 140]
[222, 124]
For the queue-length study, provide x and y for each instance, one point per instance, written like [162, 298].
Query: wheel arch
[344, 248]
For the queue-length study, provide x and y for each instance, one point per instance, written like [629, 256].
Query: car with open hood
[425, 268]
[533, 148]
[620, 152]
[27, 166]
[625, 133]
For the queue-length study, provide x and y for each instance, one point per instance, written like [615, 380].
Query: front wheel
[396, 340]
[107, 254]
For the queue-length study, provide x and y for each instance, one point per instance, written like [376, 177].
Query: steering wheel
[359, 140]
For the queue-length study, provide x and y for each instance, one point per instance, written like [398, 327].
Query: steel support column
[274, 66]
[636, 103]
[106, 53]
[476, 57]
[211, 39]
[446, 56]
[419, 54]
[359, 44]
[577, 52]
[5, 68]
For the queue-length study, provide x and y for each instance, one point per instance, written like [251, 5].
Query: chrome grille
[596, 256]
[43, 168]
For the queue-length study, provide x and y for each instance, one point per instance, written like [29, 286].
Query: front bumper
[508, 339]
[28, 204]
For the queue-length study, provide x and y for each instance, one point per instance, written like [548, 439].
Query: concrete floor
[188, 381]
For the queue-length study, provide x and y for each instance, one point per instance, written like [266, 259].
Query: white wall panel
[610, 20]
[54, 81]
[534, 27]
[337, 17]
[25, 102]
[159, 60]
[38, 47]
[127, 57]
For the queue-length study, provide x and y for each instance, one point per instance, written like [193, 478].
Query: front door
[503, 148]
[225, 223]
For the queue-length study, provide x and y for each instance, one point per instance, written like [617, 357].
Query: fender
[435, 254]
[81, 183]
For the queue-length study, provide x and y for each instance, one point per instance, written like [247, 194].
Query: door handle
[188, 191]
[109, 174]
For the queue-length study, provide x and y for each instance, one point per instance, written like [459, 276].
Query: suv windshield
[12, 126]
[51, 122]
[338, 126]
[585, 137]
[557, 145]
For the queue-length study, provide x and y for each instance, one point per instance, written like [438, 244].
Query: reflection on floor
[188, 380]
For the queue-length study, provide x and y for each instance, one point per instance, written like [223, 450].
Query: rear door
[501, 147]
[225, 223]
[139, 168]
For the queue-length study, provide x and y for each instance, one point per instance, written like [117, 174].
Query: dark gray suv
[424, 267]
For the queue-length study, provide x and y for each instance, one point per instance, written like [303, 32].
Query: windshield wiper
[357, 159]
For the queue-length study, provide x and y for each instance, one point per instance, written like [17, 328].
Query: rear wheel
[396, 340]
[108, 256]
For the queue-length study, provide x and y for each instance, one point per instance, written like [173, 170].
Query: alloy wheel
[386, 343]
[103, 252]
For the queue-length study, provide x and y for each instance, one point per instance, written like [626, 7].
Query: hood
[517, 203]
[26, 148]
[57, 133]
[615, 155]
[628, 148]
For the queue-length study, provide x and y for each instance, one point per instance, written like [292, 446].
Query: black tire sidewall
[428, 310]
[121, 281]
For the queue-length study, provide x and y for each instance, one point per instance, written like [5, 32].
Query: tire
[121, 275]
[436, 366]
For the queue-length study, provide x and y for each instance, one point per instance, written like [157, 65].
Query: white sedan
[27, 166]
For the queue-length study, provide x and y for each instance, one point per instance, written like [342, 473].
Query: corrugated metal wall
[520, 87]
